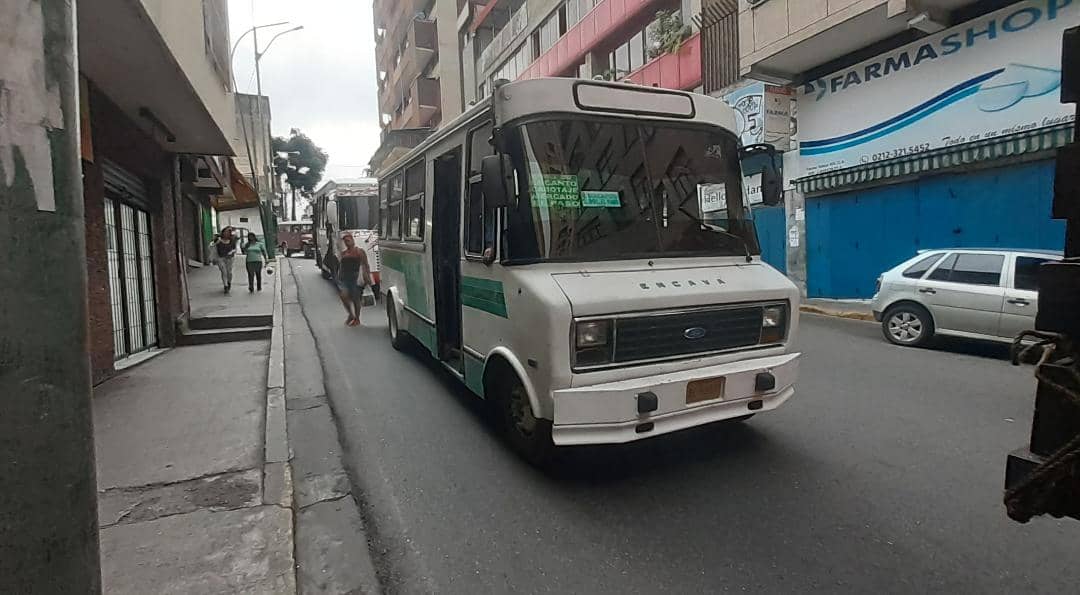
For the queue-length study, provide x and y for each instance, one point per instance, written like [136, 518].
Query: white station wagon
[964, 292]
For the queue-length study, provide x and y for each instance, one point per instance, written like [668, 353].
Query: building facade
[155, 113]
[921, 125]
[624, 40]
[608, 39]
[418, 69]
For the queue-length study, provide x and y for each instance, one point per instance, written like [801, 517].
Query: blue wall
[770, 224]
[855, 236]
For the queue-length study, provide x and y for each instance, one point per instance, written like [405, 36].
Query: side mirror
[772, 190]
[763, 157]
[497, 180]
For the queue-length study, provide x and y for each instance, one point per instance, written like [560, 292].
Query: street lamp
[258, 102]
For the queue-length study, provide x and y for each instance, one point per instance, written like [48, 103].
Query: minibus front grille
[686, 333]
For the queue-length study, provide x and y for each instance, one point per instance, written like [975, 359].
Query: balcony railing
[517, 24]
[681, 70]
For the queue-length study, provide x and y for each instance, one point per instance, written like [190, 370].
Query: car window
[917, 270]
[944, 270]
[1027, 272]
[977, 269]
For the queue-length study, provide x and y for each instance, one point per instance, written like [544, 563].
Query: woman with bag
[254, 255]
[353, 263]
[225, 245]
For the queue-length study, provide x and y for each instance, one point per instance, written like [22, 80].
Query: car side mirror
[497, 180]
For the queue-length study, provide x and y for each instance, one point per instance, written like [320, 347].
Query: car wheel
[908, 325]
[398, 337]
[527, 434]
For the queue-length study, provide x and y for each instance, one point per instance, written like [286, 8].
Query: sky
[320, 79]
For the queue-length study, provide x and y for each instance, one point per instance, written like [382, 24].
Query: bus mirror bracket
[497, 178]
[772, 191]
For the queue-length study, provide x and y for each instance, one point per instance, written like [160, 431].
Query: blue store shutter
[855, 236]
[770, 223]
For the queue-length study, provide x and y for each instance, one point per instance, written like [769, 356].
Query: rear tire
[398, 337]
[908, 325]
[529, 436]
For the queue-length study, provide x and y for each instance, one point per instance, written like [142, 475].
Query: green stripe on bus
[484, 294]
[410, 264]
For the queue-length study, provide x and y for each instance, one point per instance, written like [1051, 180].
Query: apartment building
[609, 39]
[155, 114]
[921, 124]
[418, 66]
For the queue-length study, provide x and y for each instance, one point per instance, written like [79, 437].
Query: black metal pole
[48, 506]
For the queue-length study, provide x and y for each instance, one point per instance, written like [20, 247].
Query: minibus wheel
[398, 337]
[528, 435]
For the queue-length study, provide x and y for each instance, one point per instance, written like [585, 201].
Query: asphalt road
[883, 474]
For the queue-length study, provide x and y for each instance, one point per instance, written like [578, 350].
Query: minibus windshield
[604, 189]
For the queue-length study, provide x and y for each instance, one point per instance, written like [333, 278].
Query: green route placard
[600, 198]
[555, 190]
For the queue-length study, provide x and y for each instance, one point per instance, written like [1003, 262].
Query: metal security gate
[131, 271]
[770, 223]
[855, 236]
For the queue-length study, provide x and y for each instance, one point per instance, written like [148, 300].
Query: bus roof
[582, 96]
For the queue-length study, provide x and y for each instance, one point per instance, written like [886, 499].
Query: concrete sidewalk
[208, 297]
[855, 309]
[194, 481]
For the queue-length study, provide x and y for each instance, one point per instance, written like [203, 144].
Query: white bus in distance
[580, 254]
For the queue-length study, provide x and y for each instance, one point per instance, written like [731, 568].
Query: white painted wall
[181, 25]
[233, 218]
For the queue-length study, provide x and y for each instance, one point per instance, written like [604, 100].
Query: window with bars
[719, 22]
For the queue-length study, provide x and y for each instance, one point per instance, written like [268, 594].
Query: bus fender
[508, 356]
[399, 305]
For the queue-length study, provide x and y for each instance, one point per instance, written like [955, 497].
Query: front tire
[527, 434]
[908, 325]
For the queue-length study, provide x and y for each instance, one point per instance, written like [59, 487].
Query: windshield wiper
[742, 241]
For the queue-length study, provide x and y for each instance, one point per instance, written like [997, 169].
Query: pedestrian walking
[254, 256]
[225, 245]
[353, 276]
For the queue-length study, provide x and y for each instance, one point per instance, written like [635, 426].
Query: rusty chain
[1032, 496]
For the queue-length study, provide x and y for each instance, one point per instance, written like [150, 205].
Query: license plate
[704, 390]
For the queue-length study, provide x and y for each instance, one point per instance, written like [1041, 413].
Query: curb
[849, 314]
[277, 469]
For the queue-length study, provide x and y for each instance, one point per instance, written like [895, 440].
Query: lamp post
[261, 144]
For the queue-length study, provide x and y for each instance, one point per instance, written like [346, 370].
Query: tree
[301, 161]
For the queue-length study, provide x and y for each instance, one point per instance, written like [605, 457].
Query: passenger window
[384, 211]
[394, 208]
[917, 270]
[414, 202]
[942, 272]
[977, 269]
[479, 220]
[1027, 272]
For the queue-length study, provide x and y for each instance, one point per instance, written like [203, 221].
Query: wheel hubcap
[905, 327]
[521, 412]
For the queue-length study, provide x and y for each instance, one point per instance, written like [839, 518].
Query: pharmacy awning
[1013, 145]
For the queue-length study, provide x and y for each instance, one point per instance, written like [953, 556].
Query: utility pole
[48, 506]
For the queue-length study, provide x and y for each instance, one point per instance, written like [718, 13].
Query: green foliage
[613, 74]
[667, 34]
[302, 153]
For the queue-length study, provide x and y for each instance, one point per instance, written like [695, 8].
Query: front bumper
[607, 413]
